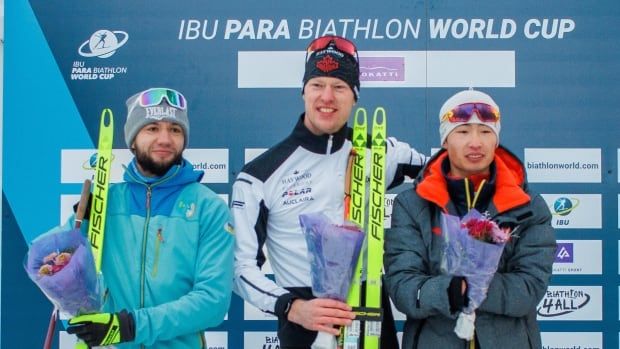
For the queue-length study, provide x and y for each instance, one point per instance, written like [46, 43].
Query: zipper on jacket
[144, 242]
[330, 141]
[147, 218]
[148, 198]
[158, 242]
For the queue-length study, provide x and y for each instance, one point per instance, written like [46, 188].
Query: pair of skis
[369, 316]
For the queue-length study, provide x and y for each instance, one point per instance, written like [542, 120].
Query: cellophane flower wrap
[473, 247]
[61, 264]
[332, 252]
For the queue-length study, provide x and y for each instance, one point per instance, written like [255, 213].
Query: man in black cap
[305, 173]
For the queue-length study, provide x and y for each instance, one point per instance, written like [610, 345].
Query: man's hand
[103, 328]
[321, 314]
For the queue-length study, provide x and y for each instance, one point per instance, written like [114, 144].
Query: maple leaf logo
[327, 64]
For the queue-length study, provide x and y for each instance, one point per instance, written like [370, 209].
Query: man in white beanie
[168, 250]
[471, 171]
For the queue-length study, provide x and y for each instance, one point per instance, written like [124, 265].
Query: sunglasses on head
[464, 112]
[154, 96]
[341, 44]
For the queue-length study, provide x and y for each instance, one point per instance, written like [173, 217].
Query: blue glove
[103, 328]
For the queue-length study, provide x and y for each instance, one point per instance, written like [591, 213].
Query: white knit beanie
[466, 96]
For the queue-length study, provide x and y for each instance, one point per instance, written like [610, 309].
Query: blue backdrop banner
[552, 67]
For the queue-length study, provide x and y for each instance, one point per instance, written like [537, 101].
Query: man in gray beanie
[157, 106]
[305, 173]
[472, 171]
[168, 253]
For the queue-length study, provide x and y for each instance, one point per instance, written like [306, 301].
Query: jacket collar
[318, 144]
[509, 179]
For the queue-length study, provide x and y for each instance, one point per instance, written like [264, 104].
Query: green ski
[369, 315]
[376, 208]
[355, 204]
[96, 224]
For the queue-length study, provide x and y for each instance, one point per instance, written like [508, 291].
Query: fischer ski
[98, 207]
[370, 314]
[96, 226]
[355, 212]
[376, 208]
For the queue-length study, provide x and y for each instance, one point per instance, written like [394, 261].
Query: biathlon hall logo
[103, 43]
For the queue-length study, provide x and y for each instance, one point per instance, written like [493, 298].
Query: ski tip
[107, 118]
[360, 116]
[379, 117]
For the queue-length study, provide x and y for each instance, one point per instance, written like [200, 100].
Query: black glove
[103, 328]
[457, 299]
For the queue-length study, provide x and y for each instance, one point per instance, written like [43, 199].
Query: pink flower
[486, 230]
[62, 259]
[54, 262]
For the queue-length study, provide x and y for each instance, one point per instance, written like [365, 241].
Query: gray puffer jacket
[413, 251]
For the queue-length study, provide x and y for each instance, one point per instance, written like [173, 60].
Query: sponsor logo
[296, 192]
[578, 257]
[382, 69]
[327, 64]
[563, 206]
[296, 177]
[262, 340]
[297, 200]
[91, 163]
[574, 211]
[561, 302]
[271, 342]
[189, 209]
[102, 44]
[564, 253]
[158, 113]
[213, 163]
[563, 165]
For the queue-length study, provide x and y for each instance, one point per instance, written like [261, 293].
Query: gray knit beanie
[139, 116]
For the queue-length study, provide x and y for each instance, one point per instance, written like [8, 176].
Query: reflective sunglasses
[154, 96]
[323, 42]
[464, 112]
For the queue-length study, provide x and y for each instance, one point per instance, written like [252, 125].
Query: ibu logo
[103, 43]
[562, 207]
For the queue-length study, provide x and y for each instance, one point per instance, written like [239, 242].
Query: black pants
[294, 336]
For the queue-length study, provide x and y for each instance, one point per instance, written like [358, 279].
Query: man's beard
[158, 169]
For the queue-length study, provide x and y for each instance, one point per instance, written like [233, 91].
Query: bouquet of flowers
[332, 251]
[473, 247]
[61, 264]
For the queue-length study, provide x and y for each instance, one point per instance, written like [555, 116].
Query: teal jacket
[167, 257]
